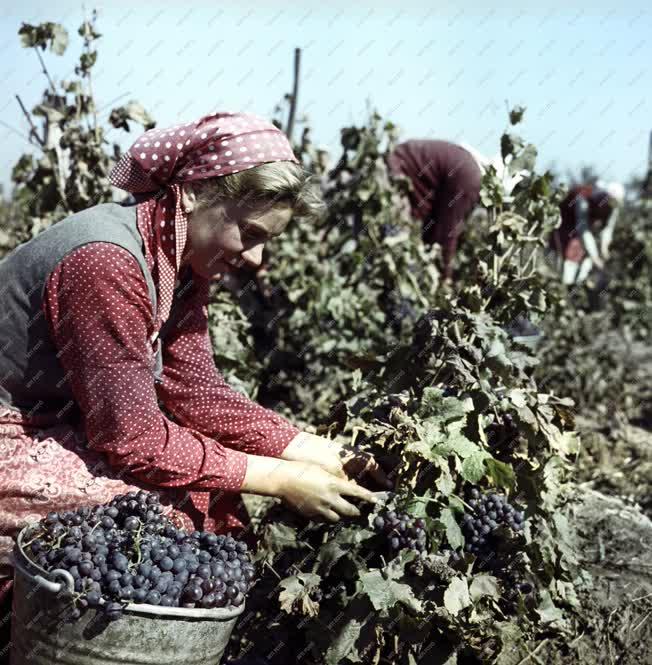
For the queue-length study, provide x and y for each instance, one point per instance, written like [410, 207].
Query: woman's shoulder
[99, 211]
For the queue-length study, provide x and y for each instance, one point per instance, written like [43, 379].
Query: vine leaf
[296, 594]
[473, 468]
[456, 596]
[453, 531]
[384, 594]
[501, 474]
[484, 585]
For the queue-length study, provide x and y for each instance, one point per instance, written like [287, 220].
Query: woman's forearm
[265, 475]
[306, 447]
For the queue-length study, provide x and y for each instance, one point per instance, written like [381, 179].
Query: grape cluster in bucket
[126, 551]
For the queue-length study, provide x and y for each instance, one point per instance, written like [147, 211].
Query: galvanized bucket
[144, 635]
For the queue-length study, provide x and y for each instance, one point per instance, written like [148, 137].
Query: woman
[586, 211]
[445, 182]
[108, 381]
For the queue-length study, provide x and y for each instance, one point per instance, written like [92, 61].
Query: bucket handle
[66, 578]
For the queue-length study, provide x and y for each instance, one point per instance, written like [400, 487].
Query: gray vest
[31, 377]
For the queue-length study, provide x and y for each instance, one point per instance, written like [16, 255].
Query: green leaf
[473, 467]
[484, 585]
[445, 483]
[456, 596]
[501, 473]
[131, 111]
[59, 39]
[384, 594]
[295, 594]
[343, 646]
[547, 610]
[437, 408]
[276, 538]
[453, 531]
[518, 398]
[46, 35]
[340, 544]
[457, 443]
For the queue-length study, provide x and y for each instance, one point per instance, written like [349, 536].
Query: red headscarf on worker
[161, 159]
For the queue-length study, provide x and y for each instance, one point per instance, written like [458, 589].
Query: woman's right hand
[314, 492]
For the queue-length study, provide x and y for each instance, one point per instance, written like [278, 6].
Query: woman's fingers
[351, 488]
[343, 507]
[330, 515]
[379, 475]
[362, 464]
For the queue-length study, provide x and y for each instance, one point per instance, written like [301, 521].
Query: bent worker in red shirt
[587, 211]
[446, 186]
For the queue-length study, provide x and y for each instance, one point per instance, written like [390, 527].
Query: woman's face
[229, 235]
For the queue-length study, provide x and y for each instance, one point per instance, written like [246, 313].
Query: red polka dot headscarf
[161, 159]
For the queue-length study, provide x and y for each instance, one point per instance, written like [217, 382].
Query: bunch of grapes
[503, 435]
[489, 512]
[483, 538]
[401, 531]
[126, 551]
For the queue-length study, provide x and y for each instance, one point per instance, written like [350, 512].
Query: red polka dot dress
[100, 315]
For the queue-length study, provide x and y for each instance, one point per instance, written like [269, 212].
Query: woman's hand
[334, 458]
[313, 492]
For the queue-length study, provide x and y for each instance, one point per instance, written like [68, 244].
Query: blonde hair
[268, 184]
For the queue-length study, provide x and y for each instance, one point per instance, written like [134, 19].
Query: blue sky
[438, 70]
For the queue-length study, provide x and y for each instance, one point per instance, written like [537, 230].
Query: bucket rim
[29, 567]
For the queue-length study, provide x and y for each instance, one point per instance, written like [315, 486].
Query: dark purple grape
[157, 554]
[207, 586]
[208, 601]
[107, 522]
[144, 569]
[192, 593]
[112, 575]
[204, 571]
[179, 565]
[174, 589]
[153, 597]
[126, 579]
[132, 523]
[85, 568]
[119, 562]
[182, 576]
[166, 563]
[209, 539]
[140, 595]
[93, 598]
[204, 557]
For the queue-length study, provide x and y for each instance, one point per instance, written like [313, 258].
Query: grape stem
[462, 501]
[269, 565]
[29, 542]
[137, 540]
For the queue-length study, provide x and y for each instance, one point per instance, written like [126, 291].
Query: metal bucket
[144, 635]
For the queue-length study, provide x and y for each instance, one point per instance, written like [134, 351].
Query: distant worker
[587, 211]
[446, 183]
